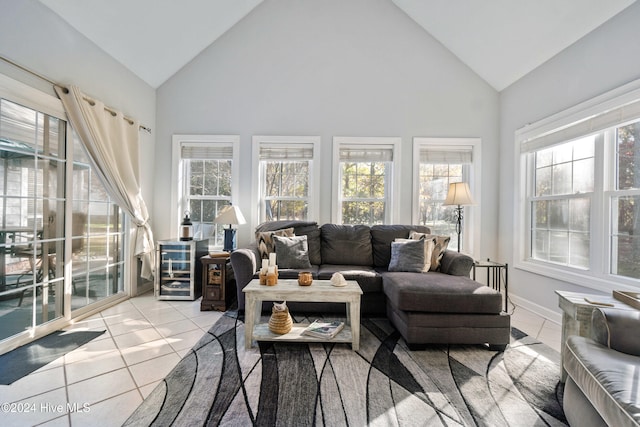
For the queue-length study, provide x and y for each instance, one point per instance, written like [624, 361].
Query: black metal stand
[495, 278]
[458, 215]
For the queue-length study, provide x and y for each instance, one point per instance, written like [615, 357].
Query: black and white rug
[382, 384]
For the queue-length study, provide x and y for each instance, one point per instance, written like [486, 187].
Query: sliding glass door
[33, 164]
[61, 237]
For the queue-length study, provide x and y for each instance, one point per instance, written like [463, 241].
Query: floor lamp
[458, 195]
[230, 215]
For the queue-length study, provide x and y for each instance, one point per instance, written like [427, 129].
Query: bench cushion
[439, 293]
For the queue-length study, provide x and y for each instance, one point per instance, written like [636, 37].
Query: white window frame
[471, 222]
[178, 193]
[590, 117]
[313, 198]
[392, 184]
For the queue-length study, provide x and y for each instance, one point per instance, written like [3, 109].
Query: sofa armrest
[456, 263]
[616, 329]
[245, 264]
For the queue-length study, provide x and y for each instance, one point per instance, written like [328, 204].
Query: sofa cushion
[264, 240]
[368, 278]
[407, 255]
[439, 293]
[346, 244]
[606, 377]
[292, 252]
[442, 242]
[383, 235]
[300, 228]
[429, 246]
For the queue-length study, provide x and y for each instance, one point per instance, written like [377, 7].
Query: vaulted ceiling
[501, 40]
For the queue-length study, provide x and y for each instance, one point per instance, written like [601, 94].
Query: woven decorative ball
[280, 321]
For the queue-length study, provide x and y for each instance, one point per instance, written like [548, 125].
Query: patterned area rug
[383, 384]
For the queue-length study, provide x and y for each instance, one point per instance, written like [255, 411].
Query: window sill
[604, 283]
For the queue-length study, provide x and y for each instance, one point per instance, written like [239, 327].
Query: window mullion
[600, 247]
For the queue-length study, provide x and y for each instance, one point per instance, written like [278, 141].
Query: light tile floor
[110, 376]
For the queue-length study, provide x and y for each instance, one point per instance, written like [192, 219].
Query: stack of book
[323, 329]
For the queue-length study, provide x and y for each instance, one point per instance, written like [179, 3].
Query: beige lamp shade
[459, 194]
[230, 215]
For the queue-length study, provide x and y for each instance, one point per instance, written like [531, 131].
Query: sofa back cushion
[383, 235]
[346, 244]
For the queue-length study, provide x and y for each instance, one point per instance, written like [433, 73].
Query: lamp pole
[458, 216]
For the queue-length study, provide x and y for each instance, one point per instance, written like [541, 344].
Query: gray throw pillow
[292, 252]
[264, 240]
[407, 256]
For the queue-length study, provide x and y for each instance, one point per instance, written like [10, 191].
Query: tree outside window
[286, 184]
[626, 205]
[209, 192]
[434, 184]
[440, 162]
[286, 190]
[364, 189]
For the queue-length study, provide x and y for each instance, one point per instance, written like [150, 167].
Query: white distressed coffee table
[289, 290]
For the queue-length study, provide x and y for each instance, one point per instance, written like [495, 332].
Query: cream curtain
[112, 143]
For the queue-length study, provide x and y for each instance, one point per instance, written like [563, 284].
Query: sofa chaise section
[436, 308]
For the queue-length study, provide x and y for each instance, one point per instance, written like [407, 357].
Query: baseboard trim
[549, 315]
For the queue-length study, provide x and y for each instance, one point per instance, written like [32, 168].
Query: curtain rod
[90, 101]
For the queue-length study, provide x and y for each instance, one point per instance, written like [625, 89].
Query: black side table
[214, 282]
[495, 277]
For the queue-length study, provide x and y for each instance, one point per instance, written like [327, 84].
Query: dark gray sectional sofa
[443, 306]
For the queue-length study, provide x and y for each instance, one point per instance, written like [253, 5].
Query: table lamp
[230, 215]
[458, 195]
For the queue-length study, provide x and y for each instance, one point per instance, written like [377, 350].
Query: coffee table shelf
[289, 290]
[261, 332]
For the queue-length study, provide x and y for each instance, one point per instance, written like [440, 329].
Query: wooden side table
[576, 316]
[214, 282]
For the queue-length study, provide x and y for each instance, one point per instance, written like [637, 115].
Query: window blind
[359, 153]
[583, 127]
[270, 151]
[458, 155]
[207, 151]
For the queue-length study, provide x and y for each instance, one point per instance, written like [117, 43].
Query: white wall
[328, 68]
[38, 39]
[603, 60]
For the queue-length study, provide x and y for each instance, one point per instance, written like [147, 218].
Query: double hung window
[286, 177]
[581, 210]
[206, 173]
[365, 179]
[439, 162]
